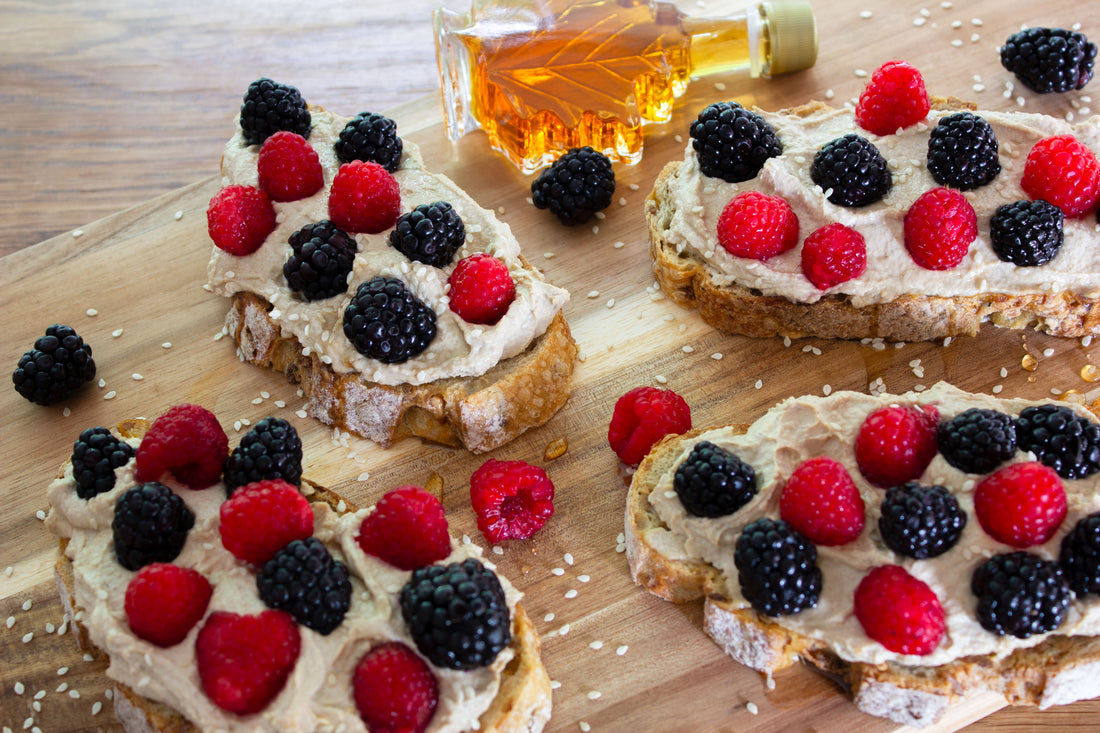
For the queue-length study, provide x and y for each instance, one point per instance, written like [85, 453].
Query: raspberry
[188, 442]
[777, 568]
[370, 137]
[712, 482]
[261, 518]
[1020, 594]
[939, 227]
[244, 660]
[895, 444]
[977, 440]
[732, 143]
[270, 449]
[289, 168]
[164, 601]
[1080, 555]
[833, 254]
[96, 455]
[269, 107]
[430, 233]
[642, 417]
[851, 171]
[962, 152]
[385, 321]
[394, 690]
[1065, 172]
[1021, 504]
[899, 611]
[239, 218]
[757, 225]
[820, 501]
[481, 289]
[894, 98]
[321, 257]
[512, 499]
[303, 580]
[920, 521]
[575, 186]
[58, 365]
[365, 197]
[1027, 233]
[1049, 59]
[150, 525]
[407, 529]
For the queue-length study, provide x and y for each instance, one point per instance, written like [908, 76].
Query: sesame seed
[717, 356]
[595, 695]
[78, 232]
[919, 21]
[498, 550]
[593, 293]
[720, 87]
[548, 617]
[759, 383]
[96, 707]
[860, 73]
[563, 630]
[596, 645]
[558, 571]
[11, 621]
[583, 578]
[1048, 352]
[27, 604]
[661, 379]
[178, 215]
[554, 684]
[751, 707]
[62, 687]
[571, 594]
[568, 557]
[116, 333]
[865, 14]
[827, 390]
[585, 727]
[997, 388]
[166, 345]
[136, 377]
[301, 413]
[110, 395]
[621, 650]
[27, 637]
[62, 671]
[19, 688]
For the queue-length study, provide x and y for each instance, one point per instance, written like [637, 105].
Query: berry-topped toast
[230, 594]
[398, 304]
[919, 548]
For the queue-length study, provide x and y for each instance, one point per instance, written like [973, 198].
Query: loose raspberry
[757, 225]
[893, 99]
[163, 601]
[394, 689]
[939, 227]
[1021, 504]
[1065, 172]
[512, 499]
[289, 167]
[899, 611]
[481, 289]
[407, 529]
[239, 218]
[642, 417]
[263, 517]
[895, 444]
[186, 441]
[244, 661]
[833, 254]
[365, 197]
[821, 501]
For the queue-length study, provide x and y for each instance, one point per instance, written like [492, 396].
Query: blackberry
[712, 482]
[920, 521]
[456, 614]
[732, 143]
[321, 258]
[962, 152]
[270, 107]
[576, 186]
[977, 440]
[1061, 439]
[384, 321]
[303, 580]
[853, 170]
[1027, 233]
[150, 525]
[1020, 594]
[1080, 556]
[55, 368]
[96, 455]
[1049, 59]
[777, 568]
[271, 449]
[430, 233]
[371, 138]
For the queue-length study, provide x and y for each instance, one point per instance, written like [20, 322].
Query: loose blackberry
[732, 143]
[962, 152]
[303, 580]
[977, 440]
[271, 449]
[55, 368]
[321, 258]
[852, 170]
[270, 107]
[1049, 59]
[384, 321]
[1020, 594]
[920, 521]
[1080, 555]
[430, 233]
[777, 568]
[712, 482]
[576, 186]
[371, 138]
[150, 525]
[1027, 233]
[96, 455]
[1061, 439]
[456, 614]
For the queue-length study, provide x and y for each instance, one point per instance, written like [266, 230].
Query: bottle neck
[727, 44]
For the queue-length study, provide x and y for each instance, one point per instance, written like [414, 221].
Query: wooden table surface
[106, 104]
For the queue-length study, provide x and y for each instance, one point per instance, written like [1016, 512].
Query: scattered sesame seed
[61, 671]
[11, 621]
[19, 688]
[27, 637]
[1086, 341]
[178, 215]
[827, 390]
[829, 94]
[257, 400]
[595, 695]
[977, 22]
[96, 707]
[865, 14]
[563, 630]
[997, 388]
[957, 43]
[717, 356]
[62, 687]
[622, 202]
[78, 232]
[593, 294]
[860, 73]
[548, 617]
[585, 727]
[571, 594]
[568, 557]
[92, 312]
[596, 645]
[558, 571]
[116, 333]
[498, 550]
[621, 650]
[759, 383]
[687, 349]
[110, 395]
[554, 684]
[1048, 352]
[596, 229]
[919, 21]
[720, 87]
[166, 345]
[67, 411]
[751, 707]
[301, 414]
[583, 578]
[280, 403]
[27, 604]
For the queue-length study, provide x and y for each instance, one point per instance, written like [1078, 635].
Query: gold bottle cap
[792, 33]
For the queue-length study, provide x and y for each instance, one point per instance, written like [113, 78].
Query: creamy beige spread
[891, 272]
[804, 427]
[460, 349]
[318, 694]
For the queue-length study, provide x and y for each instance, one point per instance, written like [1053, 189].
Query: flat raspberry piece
[263, 517]
[186, 441]
[642, 417]
[1064, 172]
[939, 228]
[821, 501]
[407, 529]
[832, 255]
[512, 499]
[899, 611]
[244, 660]
[1021, 504]
[894, 98]
[288, 167]
[758, 226]
[364, 197]
[164, 601]
[895, 444]
[394, 689]
[239, 218]
[482, 289]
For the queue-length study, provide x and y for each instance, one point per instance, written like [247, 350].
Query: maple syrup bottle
[543, 76]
